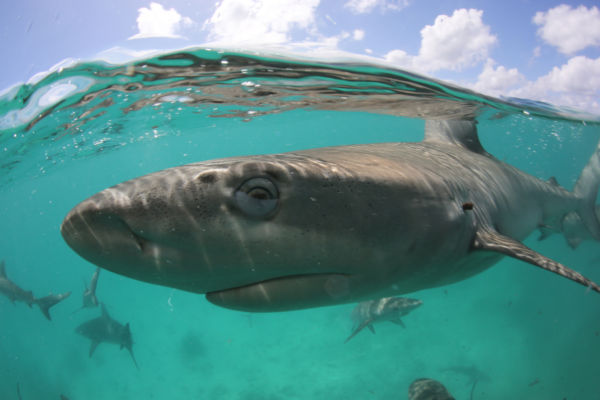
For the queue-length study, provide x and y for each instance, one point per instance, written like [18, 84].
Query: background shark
[12, 291]
[104, 329]
[89, 295]
[330, 225]
[15, 293]
[367, 313]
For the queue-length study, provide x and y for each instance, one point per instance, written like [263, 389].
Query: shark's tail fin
[584, 222]
[45, 303]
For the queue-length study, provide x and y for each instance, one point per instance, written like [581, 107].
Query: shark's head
[254, 233]
[403, 305]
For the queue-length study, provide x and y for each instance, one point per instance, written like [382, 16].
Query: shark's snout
[89, 229]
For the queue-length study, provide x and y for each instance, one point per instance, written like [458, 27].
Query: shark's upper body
[330, 225]
[11, 290]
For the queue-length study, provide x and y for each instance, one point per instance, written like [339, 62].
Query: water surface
[91, 125]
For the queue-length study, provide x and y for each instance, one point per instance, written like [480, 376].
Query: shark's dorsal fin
[462, 133]
[488, 239]
[553, 181]
[2, 269]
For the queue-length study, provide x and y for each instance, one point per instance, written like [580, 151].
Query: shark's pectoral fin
[360, 328]
[371, 328]
[487, 239]
[93, 346]
[398, 321]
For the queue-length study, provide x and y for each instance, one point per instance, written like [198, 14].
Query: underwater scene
[510, 331]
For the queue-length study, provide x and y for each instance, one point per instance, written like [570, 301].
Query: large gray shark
[105, 329]
[329, 225]
[15, 293]
[369, 312]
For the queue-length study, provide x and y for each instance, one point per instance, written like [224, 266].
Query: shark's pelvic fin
[487, 239]
[398, 321]
[462, 133]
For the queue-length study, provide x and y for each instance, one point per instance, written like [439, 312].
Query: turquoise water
[78, 130]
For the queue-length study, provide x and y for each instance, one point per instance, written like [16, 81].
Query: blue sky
[544, 50]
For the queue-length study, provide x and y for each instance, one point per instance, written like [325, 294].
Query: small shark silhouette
[105, 329]
[89, 295]
[367, 313]
[15, 293]
[19, 397]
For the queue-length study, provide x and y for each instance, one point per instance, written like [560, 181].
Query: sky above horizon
[540, 50]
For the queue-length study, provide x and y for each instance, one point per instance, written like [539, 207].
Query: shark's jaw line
[331, 225]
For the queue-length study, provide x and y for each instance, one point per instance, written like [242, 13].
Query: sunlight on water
[517, 331]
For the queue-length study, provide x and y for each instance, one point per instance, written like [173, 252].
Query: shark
[331, 225]
[89, 295]
[369, 312]
[15, 293]
[105, 329]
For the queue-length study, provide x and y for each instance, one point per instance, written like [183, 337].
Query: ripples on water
[92, 107]
[88, 125]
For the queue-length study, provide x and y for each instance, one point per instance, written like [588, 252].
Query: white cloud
[452, 42]
[461, 40]
[366, 6]
[498, 80]
[157, 21]
[400, 58]
[260, 21]
[358, 34]
[579, 75]
[575, 84]
[569, 29]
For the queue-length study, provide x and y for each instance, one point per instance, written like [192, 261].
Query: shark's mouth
[286, 293]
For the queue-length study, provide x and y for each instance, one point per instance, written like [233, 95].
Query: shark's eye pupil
[257, 197]
[260, 193]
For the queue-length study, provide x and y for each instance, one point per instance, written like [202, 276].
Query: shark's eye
[257, 197]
